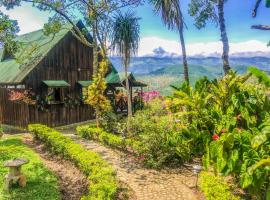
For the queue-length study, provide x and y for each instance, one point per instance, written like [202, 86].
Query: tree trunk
[95, 69]
[184, 55]
[224, 37]
[129, 98]
[95, 52]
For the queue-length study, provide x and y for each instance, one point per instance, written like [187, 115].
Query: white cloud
[148, 44]
[29, 18]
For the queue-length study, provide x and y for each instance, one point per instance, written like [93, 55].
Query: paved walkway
[146, 184]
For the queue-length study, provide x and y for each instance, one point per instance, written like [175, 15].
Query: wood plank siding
[70, 61]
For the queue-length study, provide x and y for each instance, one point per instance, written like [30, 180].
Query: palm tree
[204, 11]
[224, 37]
[172, 18]
[125, 41]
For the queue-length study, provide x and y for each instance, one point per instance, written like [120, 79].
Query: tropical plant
[126, 37]
[205, 10]
[230, 125]
[172, 17]
[95, 95]
[262, 77]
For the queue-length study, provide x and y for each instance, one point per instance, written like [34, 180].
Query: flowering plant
[149, 96]
[25, 96]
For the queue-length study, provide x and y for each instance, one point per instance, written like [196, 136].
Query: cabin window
[83, 85]
[55, 90]
[55, 95]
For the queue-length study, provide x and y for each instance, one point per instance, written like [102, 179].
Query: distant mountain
[161, 72]
[147, 65]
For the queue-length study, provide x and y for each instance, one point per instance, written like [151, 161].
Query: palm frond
[170, 12]
[126, 35]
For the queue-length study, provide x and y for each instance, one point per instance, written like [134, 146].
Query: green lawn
[41, 183]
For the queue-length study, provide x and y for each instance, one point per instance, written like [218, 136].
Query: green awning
[85, 83]
[56, 83]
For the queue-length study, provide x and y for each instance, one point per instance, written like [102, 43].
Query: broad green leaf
[258, 140]
[261, 163]
[246, 180]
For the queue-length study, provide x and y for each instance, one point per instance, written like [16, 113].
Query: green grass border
[102, 178]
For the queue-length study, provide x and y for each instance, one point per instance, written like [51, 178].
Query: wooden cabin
[52, 70]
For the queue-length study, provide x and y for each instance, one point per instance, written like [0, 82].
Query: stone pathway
[146, 184]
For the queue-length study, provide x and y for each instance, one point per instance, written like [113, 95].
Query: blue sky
[205, 41]
[238, 21]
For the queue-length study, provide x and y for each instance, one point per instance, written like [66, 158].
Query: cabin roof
[34, 47]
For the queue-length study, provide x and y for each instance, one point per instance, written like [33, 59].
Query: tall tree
[8, 30]
[172, 17]
[125, 40]
[212, 10]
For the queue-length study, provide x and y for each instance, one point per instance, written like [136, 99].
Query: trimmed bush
[102, 178]
[215, 187]
[114, 141]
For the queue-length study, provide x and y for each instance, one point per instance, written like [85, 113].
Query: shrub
[166, 139]
[215, 187]
[102, 179]
[109, 139]
[230, 119]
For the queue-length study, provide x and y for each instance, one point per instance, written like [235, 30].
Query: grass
[41, 183]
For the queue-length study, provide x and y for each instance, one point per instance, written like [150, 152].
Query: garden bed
[41, 182]
[101, 176]
[73, 184]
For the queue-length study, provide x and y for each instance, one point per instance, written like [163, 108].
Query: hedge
[102, 178]
[109, 139]
[215, 187]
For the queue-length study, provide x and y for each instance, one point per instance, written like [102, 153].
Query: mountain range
[161, 72]
[148, 65]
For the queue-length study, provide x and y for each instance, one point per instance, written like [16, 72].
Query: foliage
[203, 11]
[215, 187]
[102, 180]
[8, 30]
[166, 140]
[114, 141]
[171, 13]
[41, 183]
[95, 95]
[234, 115]
[262, 77]
[113, 123]
[125, 42]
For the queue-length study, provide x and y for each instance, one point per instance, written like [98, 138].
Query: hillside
[146, 65]
[161, 72]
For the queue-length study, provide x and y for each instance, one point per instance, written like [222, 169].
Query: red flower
[215, 137]
[224, 130]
